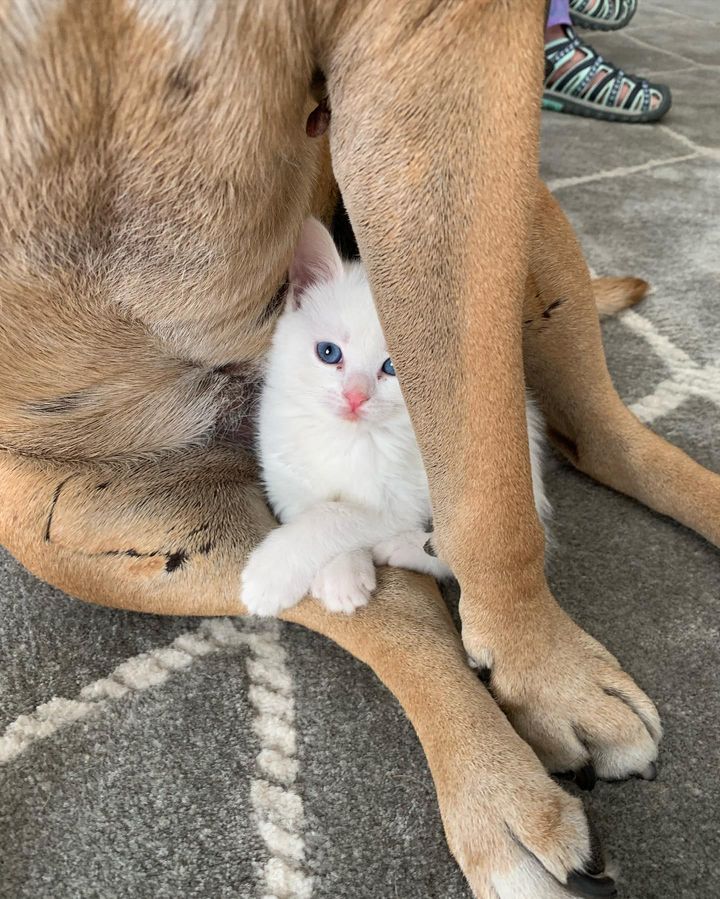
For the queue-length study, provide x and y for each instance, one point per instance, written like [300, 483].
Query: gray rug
[243, 760]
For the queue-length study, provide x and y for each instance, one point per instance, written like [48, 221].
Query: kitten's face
[329, 348]
[334, 350]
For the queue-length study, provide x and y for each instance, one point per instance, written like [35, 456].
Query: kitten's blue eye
[388, 367]
[328, 352]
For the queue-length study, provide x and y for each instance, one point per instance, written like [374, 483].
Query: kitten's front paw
[345, 584]
[270, 582]
[407, 550]
[401, 551]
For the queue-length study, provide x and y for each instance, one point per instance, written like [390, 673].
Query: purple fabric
[559, 13]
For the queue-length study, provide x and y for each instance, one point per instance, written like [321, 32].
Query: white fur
[343, 489]
[187, 21]
[23, 20]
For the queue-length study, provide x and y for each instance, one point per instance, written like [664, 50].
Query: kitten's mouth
[352, 414]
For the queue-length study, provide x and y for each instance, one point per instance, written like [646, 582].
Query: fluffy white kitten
[341, 466]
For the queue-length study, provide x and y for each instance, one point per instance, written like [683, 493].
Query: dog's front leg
[434, 139]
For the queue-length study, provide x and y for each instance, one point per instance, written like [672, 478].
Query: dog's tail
[614, 294]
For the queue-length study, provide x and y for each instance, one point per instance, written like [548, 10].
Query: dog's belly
[153, 183]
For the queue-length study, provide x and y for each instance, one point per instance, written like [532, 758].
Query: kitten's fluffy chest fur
[307, 459]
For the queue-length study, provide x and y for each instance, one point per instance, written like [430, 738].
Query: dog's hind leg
[171, 536]
[434, 142]
[566, 371]
[565, 366]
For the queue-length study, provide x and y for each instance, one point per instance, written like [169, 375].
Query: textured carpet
[246, 760]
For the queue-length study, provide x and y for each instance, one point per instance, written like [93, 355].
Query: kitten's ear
[316, 260]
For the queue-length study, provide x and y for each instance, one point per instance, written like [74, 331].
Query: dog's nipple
[318, 120]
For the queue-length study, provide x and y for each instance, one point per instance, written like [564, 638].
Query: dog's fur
[154, 173]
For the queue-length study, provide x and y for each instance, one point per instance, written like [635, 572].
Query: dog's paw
[568, 697]
[345, 584]
[271, 580]
[520, 836]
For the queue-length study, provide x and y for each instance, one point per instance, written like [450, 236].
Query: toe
[617, 739]
[574, 864]
[622, 687]
[368, 580]
[650, 773]
[354, 603]
[556, 835]
[559, 746]
[528, 880]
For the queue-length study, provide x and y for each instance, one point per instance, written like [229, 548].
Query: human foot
[602, 15]
[579, 81]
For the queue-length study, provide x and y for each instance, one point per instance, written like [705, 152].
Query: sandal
[593, 87]
[602, 15]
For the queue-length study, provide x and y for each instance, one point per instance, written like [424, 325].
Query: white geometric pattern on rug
[687, 378]
[278, 808]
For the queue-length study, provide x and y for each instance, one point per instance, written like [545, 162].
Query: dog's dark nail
[582, 884]
[428, 547]
[595, 865]
[586, 778]
[484, 674]
[650, 773]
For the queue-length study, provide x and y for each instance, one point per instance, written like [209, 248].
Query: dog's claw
[585, 778]
[650, 773]
[595, 865]
[582, 884]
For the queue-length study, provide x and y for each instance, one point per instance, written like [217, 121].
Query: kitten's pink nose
[355, 399]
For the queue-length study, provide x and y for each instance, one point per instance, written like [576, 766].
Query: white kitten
[341, 466]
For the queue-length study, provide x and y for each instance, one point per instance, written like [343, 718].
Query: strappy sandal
[593, 87]
[602, 15]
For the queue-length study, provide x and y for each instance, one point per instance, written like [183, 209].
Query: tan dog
[155, 170]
